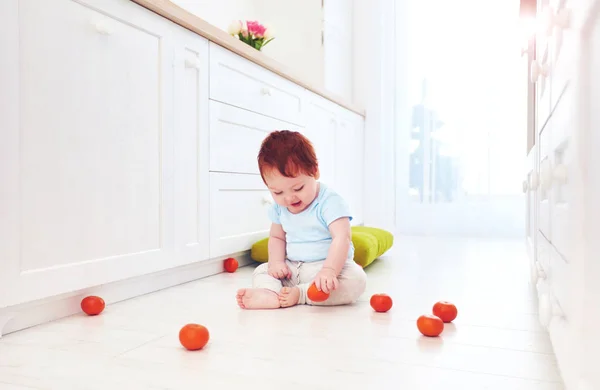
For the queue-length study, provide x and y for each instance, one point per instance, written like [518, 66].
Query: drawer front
[545, 184]
[242, 83]
[238, 212]
[236, 136]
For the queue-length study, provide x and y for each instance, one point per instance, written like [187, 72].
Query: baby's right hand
[279, 270]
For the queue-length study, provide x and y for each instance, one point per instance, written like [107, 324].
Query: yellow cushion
[369, 244]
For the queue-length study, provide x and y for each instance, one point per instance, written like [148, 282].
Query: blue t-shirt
[307, 233]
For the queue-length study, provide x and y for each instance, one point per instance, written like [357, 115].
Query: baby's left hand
[326, 280]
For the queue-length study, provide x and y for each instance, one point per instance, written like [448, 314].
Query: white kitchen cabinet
[128, 147]
[191, 145]
[564, 263]
[87, 149]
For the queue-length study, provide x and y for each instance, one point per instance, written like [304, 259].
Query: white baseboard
[19, 317]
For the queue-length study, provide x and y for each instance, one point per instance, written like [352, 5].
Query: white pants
[352, 281]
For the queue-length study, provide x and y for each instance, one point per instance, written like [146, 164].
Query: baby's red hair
[290, 153]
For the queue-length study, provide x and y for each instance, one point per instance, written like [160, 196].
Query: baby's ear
[317, 174]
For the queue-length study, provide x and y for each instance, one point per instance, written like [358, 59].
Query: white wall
[297, 25]
[220, 12]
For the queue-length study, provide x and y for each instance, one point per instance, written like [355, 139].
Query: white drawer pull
[192, 63]
[525, 186]
[560, 174]
[267, 200]
[104, 27]
[265, 91]
[538, 70]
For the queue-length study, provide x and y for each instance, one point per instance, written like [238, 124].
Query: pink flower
[256, 29]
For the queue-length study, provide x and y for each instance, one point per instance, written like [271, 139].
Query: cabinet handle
[560, 173]
[525, 186]
[265, 91]
[192, 63]
[104, 27]
[538, 70]
[535, 181]
[267, 200]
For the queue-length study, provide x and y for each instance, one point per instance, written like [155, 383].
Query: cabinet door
[86, 145]
[191, 143]
[321, 126]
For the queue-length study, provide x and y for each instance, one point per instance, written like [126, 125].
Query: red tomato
[193, 336]
[316, 295]
[446, 311]
[92, 305]
[430, 326]
[381, 302]
[231, 264]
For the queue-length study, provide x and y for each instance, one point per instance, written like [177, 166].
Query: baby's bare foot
[289, 296]
[257, 298]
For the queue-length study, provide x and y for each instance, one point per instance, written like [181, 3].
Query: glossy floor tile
[495, 343]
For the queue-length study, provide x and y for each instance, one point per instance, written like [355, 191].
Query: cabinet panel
[238, 212]
[191, 137]
[321, 129]
[89, 150]
[236, 136]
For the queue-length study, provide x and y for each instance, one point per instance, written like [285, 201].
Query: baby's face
[295, 193]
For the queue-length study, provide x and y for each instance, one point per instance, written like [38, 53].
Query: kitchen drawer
[236, 136]
[242, 83]
[238, 212]
[545, 186]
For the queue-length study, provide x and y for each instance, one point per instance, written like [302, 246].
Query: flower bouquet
[251, 33]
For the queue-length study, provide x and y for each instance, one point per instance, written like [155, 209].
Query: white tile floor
[495, 343]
